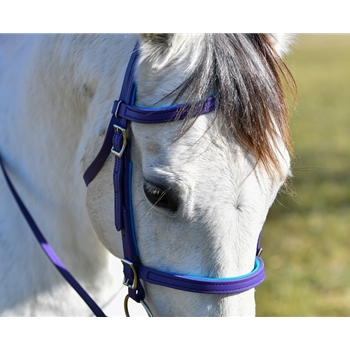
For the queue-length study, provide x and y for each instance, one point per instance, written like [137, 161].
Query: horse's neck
[41, 130]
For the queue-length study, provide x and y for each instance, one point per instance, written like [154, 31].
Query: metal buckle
[143, 303]
[117, 129]
[126, 282]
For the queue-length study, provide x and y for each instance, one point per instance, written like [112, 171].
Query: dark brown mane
[246, 74]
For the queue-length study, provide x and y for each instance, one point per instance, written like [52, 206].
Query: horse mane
[247, 76]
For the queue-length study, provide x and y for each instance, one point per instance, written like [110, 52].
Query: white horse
[201, 187]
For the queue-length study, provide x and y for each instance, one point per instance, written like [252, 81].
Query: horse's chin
[175, 303]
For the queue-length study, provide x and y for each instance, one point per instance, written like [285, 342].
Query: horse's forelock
[246, 74]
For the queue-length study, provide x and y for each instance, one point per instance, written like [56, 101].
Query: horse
[202, 185]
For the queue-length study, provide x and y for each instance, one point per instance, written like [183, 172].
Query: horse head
[201, 186]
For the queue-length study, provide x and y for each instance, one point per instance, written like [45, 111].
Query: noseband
[123, 112]
[117, 142]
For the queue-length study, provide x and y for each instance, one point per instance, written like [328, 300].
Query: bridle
[117, 142]
[123, 112]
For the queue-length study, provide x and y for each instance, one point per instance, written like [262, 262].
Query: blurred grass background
[306, 236]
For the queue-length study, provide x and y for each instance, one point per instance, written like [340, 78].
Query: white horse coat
[56, 93]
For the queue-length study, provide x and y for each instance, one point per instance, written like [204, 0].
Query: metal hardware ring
[143, 303]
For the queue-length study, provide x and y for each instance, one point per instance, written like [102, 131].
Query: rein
[117, 142]
[50, 253]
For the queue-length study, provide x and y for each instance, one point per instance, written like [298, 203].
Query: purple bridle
[116, 141]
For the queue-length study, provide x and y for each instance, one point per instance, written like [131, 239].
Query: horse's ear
[283, 42]
[160, 39]
[155, 47]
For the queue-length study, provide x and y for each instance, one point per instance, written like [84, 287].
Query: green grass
[306, 237]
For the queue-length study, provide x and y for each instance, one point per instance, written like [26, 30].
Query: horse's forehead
[193, 158]
[202, 153]
[163, 140]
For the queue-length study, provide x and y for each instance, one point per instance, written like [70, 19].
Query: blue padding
[256, 268]
[131, 208]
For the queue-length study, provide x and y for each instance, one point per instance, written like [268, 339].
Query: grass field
[306, 238]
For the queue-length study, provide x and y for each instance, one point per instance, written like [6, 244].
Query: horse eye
[160, 196]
